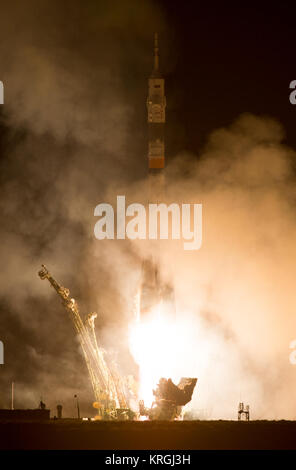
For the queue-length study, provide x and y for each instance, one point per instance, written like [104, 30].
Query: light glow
[161, 346]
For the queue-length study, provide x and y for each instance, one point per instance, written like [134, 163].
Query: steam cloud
[72, 138]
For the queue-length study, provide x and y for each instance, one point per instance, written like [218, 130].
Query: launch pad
[169, 399]
[109, 387]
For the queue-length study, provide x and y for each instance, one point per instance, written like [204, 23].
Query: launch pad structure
[107, 384]
[243, 412]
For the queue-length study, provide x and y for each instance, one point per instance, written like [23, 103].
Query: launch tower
[107, 385]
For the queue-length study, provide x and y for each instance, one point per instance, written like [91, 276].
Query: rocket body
[153, 290]
[156, 103]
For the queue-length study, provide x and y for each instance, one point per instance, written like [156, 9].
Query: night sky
[218, 60]
[230, 58]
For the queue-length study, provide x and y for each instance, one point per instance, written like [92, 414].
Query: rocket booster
[156, 103]
[153, 290]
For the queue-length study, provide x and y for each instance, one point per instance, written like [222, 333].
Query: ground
[72, 434]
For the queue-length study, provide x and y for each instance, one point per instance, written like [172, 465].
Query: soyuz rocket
[153, 290]
[156, 104]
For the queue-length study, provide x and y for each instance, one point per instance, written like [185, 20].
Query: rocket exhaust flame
[155, 344]
[152, 344]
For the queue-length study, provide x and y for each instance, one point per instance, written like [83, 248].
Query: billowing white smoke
[235, 296]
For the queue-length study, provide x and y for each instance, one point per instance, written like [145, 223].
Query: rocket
[156, 103]
[153, 291]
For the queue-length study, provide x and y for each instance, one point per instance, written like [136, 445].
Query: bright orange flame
[153, 343]
[171, 348]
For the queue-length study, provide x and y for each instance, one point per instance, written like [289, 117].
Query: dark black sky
[232, 57]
